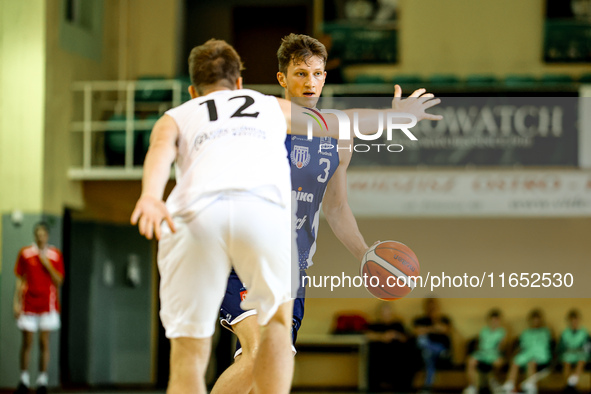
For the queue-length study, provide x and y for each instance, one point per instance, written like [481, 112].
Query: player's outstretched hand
[417, 103]
[149, 213]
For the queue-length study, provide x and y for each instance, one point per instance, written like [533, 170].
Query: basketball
[391, 268]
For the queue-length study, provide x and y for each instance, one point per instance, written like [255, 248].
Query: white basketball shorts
[237, 230]
[33, 322]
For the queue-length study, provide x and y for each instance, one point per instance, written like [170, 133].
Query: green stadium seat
[443, 79]
[186, 82]
[407, 79]
[115, 141]
[555, 79]
[370, 79]
[481, 80]
[152, 95]
[585, 78]
[518, 80]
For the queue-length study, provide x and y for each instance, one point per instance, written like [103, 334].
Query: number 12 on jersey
[248, 101]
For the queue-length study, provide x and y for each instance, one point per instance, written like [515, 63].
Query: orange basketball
[390, 270]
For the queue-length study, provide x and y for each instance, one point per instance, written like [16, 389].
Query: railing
[126, 90]
[124, 100]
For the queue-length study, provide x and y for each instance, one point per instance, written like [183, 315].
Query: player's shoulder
[28, 251]
[185, 108]
[54, 252]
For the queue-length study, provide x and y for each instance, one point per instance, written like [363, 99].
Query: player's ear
[281, 79]
[324, 79]
[193, 92]
[239, 83]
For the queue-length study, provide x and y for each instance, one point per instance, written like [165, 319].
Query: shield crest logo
[300, 156]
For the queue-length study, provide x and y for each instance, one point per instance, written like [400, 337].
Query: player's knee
[249, 352]
[472, 362]
[247, 332]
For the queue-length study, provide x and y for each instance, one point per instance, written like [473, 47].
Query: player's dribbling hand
[149, 213]
[367, 250]
[417, 103]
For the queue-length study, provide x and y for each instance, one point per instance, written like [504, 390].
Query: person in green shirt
[534, 352]
[489, 352]
[574, 350]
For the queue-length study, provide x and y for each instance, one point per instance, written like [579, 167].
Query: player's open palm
[417, 103]
[148, 214]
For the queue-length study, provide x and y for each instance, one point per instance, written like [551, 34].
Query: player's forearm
[157, 169]
[343, 224]
[17, 300]
[371, 121]
[56, 276]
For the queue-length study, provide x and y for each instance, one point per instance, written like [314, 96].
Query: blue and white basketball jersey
[313, 162]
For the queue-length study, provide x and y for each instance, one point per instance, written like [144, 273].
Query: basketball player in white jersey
[229, 208]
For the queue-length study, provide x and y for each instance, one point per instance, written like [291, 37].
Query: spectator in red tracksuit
[39, 273]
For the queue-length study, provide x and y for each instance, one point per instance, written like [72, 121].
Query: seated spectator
[534, 352]
[489, 353]
[393, 355]
[433, 336]
[349, 323]
[573, 349]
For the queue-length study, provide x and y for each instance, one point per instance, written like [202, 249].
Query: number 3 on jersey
[323, 177]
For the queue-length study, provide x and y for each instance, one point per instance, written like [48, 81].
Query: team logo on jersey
[302, 196]
[243, 295]
[325, 144]
[300, 156]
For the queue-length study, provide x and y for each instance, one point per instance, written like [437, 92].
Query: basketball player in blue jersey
[231, 208]
[318, 174]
